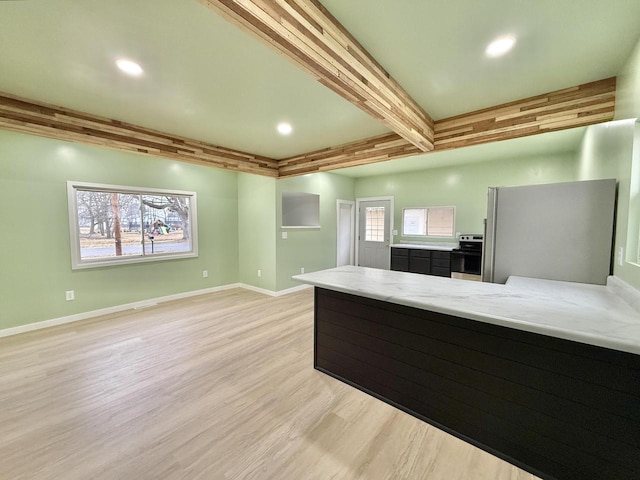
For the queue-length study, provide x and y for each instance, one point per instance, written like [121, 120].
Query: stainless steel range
[468, 257]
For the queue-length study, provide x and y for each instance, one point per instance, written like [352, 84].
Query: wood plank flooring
[219, 386]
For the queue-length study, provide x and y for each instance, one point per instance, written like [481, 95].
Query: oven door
[466, 262]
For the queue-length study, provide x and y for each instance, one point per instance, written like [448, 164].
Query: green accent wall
[623, 159]
[35, 252]
[613, 151]
[607, 151]
[464, 186]
[628, 87]
[311, 248]
[257, 230]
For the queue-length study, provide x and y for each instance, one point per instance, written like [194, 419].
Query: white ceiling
[562, 141]
[207, 80]
[435, 49]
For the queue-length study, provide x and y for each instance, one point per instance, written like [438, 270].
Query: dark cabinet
[441, 263]
[427, 262]
[420, 261]
[556, 407]
[400, 259]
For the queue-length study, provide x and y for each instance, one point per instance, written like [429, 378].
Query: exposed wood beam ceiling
[305, 32]
[24, 116]
[568, 108]
[371, 150]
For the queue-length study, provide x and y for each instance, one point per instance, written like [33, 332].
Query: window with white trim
[429, 221]
[112, 224]
[374, 224]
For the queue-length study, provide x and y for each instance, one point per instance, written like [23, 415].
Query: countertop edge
[505, 321]
[442, 248]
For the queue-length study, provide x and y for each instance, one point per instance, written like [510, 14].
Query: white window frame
[74, 229]
[453, 229]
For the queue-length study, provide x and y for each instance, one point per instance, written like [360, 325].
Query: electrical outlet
[284, 235]
[69, 295]
[620, 256]
[301, 269]
[259, 273]
[205, 273]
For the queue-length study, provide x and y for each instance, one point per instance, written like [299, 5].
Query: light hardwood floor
[219, 386]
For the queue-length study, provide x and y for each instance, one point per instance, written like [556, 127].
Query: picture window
[112, 224]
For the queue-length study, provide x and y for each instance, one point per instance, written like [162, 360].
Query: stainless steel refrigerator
[559, 231]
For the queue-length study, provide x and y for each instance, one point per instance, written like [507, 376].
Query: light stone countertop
[427, 246]
[591, 314]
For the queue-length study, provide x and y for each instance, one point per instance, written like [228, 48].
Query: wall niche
[300, 210]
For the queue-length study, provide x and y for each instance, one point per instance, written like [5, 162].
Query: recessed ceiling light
[500, 46]
[129, 67]
[284, 128]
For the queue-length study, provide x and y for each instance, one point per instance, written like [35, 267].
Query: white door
[374, 233]
[346, 232]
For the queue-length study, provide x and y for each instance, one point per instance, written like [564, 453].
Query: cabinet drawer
[441, 271]
[400, 263]
[441, 263]
[420, 253]
[420, 265]
[400, 252]
[440, 255]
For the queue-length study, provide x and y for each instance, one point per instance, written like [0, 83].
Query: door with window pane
[374, 234]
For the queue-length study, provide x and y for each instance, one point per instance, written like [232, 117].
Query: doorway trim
[391, 216]
[352, 233]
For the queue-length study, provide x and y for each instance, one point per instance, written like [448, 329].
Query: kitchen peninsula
[543, 374]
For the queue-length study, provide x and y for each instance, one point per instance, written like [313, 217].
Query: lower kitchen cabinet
[420, 261]
[441, 263]
[426, 262]
[400, 259]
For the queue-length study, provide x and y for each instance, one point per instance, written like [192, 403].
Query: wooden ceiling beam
[25, 116]
[568, 108]
[371, 150]
[307, 33]
[578, 106]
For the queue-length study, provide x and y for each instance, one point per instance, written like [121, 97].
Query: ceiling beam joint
[306, 33]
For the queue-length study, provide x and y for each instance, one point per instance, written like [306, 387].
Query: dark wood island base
[557, 408]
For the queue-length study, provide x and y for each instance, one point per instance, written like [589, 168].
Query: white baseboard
[272, 293]
[138, 305]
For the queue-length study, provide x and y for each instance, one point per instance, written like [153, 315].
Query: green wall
[311, 248]
[35, 255]
[464, 186]
[238, 219]
[260, 234]
[239, 215]
[628, 87]
[607, 152]
[257, 230]
[613, 151]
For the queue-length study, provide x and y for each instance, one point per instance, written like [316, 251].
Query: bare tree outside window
[113, 224]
